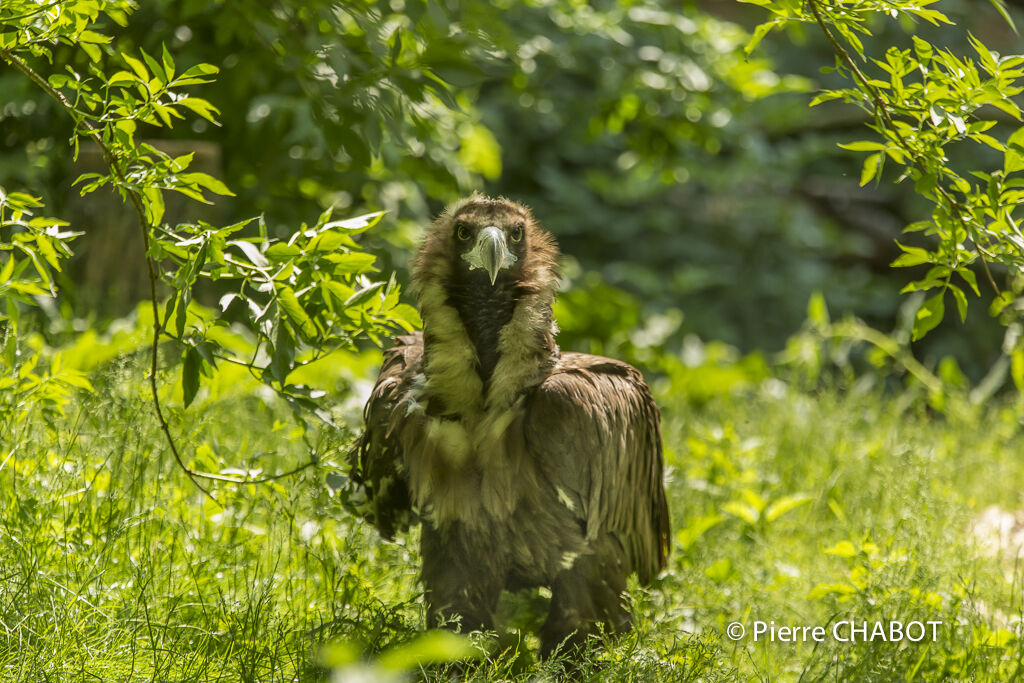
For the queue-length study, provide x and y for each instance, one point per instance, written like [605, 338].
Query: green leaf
[279, 251]
[200, 70]
[396, 46]
[122, 77]
[282, 361]
[1000, 6]
[327, 242]
[912, 256]
[201, 107]
[341, 292]
[922, 48]
[155, 68]
[47, 251]
[928, 316]
[357, 224]
[76, 379]
[8, 269]
[353, 262]
[842, 549]
[296, 313]
[181, 311]
[826, 96]
[745, 512]
[863, 146]
[1013, 158]
[190, 375]
[817, 311]
[961, 301]
[999, 303]
[970, 278]
[721, 570]
[759, 33]
[407, 316]
[364, 294]
[783, 505]
[1017, 368]
[168, 61]
[93, 37]
[926, 184]
[872, 167]
[208, 181]
[90, 49]
[136, 66]
[154, 204]
[695, 529]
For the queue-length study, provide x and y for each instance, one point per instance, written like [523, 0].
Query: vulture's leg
[588, 593]
[462, 580]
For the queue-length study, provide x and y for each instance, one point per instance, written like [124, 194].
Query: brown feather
[595, 427]
[546, 471]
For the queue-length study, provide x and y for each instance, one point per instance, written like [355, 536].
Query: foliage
[323, 105]
[657, 152]
[312, 292]
[33, 248]
[924, 101]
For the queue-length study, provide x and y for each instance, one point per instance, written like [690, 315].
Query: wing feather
[378, 462]
[595, 430]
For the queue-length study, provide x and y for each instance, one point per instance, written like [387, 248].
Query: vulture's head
[482, 243]
[487, 274]
[489, 240]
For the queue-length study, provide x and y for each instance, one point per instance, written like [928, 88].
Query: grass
[802, 507]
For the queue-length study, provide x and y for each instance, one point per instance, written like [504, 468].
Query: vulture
[526, 466]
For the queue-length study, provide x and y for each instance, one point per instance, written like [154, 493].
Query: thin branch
[260, 480]
[29, 15]
[115, 170]
[882, 113]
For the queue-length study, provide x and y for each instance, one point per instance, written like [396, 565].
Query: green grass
[799, 507]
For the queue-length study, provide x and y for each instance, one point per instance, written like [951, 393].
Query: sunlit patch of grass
[801, 508]
[115, 564]
[891, 488]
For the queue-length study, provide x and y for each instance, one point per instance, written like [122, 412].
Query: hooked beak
[490, 252]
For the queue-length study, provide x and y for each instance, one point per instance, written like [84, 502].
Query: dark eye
[462, 230]
[517, 233]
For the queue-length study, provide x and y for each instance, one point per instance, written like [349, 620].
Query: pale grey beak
[490, 252]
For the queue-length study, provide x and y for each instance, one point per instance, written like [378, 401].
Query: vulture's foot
[583, 598]
[462, 589]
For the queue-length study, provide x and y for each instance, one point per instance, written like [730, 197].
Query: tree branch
[884, 119]
[118, 176]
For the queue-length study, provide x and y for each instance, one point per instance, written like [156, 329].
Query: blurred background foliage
[695, 194]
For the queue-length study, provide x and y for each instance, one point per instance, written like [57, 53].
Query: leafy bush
[303, 297]
[922, 102]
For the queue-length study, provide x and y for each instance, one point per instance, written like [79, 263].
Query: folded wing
[594, 428]
[379, 466]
